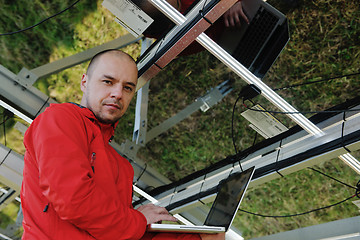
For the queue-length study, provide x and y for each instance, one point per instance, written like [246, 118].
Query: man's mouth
[114, 106]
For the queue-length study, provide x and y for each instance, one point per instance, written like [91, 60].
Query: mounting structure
[285, 153]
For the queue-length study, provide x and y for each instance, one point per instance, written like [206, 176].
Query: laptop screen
[227, 201]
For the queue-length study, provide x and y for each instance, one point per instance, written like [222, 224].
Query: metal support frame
[212, 97]
[11, 167]
[142, 99]
[27, 101]
[229, 61]
[282, 154]
[67, 62]
[179, 37]
[17, 94]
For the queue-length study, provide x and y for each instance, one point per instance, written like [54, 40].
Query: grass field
[325, 42]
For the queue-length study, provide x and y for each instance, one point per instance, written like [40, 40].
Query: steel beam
[29, 101]
[142, 99]
[11, 167]
[67, 62]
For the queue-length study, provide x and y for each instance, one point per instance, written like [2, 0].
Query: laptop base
[184, 228]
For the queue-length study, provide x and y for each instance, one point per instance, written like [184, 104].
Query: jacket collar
[107, 130]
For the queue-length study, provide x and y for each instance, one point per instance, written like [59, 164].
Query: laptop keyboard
[255, 37]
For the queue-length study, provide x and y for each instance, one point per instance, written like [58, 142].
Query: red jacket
[75, 184]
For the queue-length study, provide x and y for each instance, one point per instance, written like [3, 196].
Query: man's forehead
[117, 54]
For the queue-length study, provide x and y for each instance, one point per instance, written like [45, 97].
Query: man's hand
[232, 16]
[218, 236]
[154, 214]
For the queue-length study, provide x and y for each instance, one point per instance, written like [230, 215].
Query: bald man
[75, 184]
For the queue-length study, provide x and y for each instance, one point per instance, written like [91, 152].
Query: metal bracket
[129, 149]
[26, 78]
[214, 95]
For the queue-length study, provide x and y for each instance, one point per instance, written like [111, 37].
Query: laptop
[223, 210]
[257, 45]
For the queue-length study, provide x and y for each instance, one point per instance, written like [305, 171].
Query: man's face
[109, 88]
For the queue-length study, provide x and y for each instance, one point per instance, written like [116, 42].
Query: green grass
[325, 42]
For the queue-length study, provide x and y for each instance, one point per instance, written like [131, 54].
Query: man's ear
[84, 81]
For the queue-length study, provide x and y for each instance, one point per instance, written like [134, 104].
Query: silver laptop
[223, 210]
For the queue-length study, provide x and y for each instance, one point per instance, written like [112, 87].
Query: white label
[263, 122]
[130, 16]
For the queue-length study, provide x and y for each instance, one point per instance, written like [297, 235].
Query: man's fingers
[243, 15]
[168, 218]
[155, 214]
[231, 22]
[226, 22]
[237, 20]
[232, 17]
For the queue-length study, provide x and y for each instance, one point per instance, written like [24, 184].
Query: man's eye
[130, 89]
[107, 81]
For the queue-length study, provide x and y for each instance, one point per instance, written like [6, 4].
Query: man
[75, 185]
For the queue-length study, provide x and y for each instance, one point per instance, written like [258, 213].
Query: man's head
[109, 85]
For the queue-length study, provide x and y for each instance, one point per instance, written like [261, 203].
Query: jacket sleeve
[60, 142]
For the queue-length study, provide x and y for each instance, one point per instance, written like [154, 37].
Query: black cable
[304, 112]
[203, 7]
[277, 160]
[255, 138]
[357, 193]
[298, 214]
[5, 157]
[201, 11]
[332, 178]
[44, 20]
[140, 175]
[232, 123]
[342, 133]
[4, 120]
[318, 81]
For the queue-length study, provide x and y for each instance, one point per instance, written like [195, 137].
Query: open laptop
[223, 210]
[257, 45]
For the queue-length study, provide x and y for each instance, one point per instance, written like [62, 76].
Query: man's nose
[116, 92]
